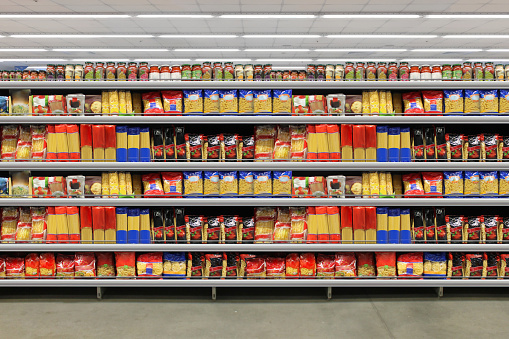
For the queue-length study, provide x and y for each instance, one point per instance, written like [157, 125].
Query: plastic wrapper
[410, 265]
[413, 103]
[365, 264]
[385, 264]
[264, 141]
[84, 264]
[65, 266]
[298, 144]
[307, 265]
[32, 264]
[172, 183]
[150, 265]
[435, 264]
[346, 264]
[212, 147]
[472, 184]
[47, 265]
[194, 146]
[229, 146]
[228, 183]
[193, 101]
[213, 267]
[282, 183]
[489, 147]
[276, 268]
[125, 264]
[195, 264]
[412, 184]
[211, 183]
[105, 265]
[246, 184]
[172, 102]
[433, 102]
[174, 265]
[472, 147]
[193, 183]
[325, 266]
[152, 104]
[433, 183]
[152, 185]
[489, 183]
[300, 187]
[453, 183]
[256, 268]
[15, 267]
[453, 101]
[489, 101]
[262, 182]
[283, 144]
[454, 146]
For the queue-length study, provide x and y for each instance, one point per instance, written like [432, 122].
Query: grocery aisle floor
[249, 313]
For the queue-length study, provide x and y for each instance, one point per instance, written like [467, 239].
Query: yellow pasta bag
[374, 102]
[105, 184]
[122, 106]
[114, 109]
[390, 108]
[383, 102]
[366, 191]
[383, 183]
[365, 102]
[374, 184]
[105, 102]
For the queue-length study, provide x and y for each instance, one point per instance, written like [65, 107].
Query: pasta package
[211, 101]
[453, 101]
[345, 264]
[317, 104]
[432, 183]
[283, 143]
[194, 229]
[262, 182]
[454, 146]
[126, 264]
[229, 146]
[264, 141]
[435, 264]
[174, 265]
[84, 265]
[472, 147]
[385, 264]
[228, 101]
[489, 183]
[172, 102]
[172, 183]
[410, 265]
[298, 148]
[413, 103]
[262, 101]
[489, 146]
[489, 101]
[503, 106]
[152, 185]
[193, 183]
[455, 264]
[412, 184]
[246, 104]
[193, 101]
[433, 102]
[228, 183]
[472, 184]
[472, 102]
[453, 183]
[152, 104]
[282, 183]
[300, 104]
[194, 146]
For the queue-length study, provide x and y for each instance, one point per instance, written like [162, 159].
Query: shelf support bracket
[214, 294]
[440, 291]
[100, 292]
[329, 293]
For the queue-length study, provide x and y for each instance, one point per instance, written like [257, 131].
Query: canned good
[121, 71]
[239, 72]
[186, 72]
[88, 71]
[176, 72]
[69, 72]
[381, 71]
[154, 74]
[165, 72]
[339, 72]
[143, 71]
[404, 71]
[425, 72]
[132, 71]
[311, 73]
[248, 72]
[446, 72]
[111, 71]
[415, 73]
[229, 71]
[196, 72]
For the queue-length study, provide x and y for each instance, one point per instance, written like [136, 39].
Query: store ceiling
[217, 25]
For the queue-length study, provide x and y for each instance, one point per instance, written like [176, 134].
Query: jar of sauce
[320, 73]
[349, 72]
[446, 72]
[42, 75]
[404, 71]
[50, 70]
[425, 72]
[507, 72]
[207, 71]
[176, 72]
[258, 73]
[26, 75]
[267, 69]
[467, 71]
[415, 73]
[360, 71]
[329, 73]
[339, 72]
[59, 73]
[34, 75]
[286, 76]
[165, 72]
[381, 71]
[248, 72]
[111, 71]
[186, 72]
[478, 71]
[18, 75]
[121, 71]
[302, 76]
[132, 72]
[457, 72]
[371, 71]
[239, 72]
[436, 72]
[6, 77]
[196, 72]
[499, 72]
[279, 75]
[143, 71]
[489, 72]
[99, 71]
[88, 71]
[294, 76]
[218, 71]
[69, 72]
[154, 74]
[311, 72]
[273, 75]
[229, 71]
[392, 71]
[78, 72]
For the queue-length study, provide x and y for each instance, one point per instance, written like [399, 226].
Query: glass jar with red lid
[489, 72]
[446, 72]
[143, 71]
[360, 71]
[478, 71]
[111, 71]
[88, 71]
[467, 71]
[320, 73]
[34, 75]
[50, 70]
[349, 71]
[279, 75]
[404, 71]
[436, 72]
[381, 71]
[132, 71]
[425, 72]
[258, 73]
[392, 71]
[121, 71]
[196, 72]
[311, 72]
[26, 75]
[415, 73]
[371, 71]
[457, 72]
[218, 71]
[207, 71]
[154, 74]
[499, 72]
[286, 76]
[18, 75]
[229, 71]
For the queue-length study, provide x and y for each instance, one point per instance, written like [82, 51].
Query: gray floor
[302, 314]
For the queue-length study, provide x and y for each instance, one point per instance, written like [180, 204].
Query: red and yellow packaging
[322, 142]
[110, 143]
[346, 224]
[370, 222]
[86, 224]
[359, 143]
[98, 219]
[347, 142]
[359, 224]
[62, 148]
[370, 143]
[98, 142]
[86, 142]
[312, 142]
[334, 141]
[73, 140]
[334, 224]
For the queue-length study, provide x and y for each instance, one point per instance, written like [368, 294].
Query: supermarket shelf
[256, 166]
[254, 119]
[335, 85]
[152, 202]
[254, 283]
[254, 247]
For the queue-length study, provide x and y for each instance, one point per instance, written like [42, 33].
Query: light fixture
[198, 36]
[371, 16]
[30, 60]
[176, 16]
[381, 36]
[64, 16]
[476, 36]
[79, 36]
[505, 50]
[286, 36]
[444, 50]
[467, 16]
[224, 60]
[432, 60]
[360, 50]
[284, 60]
[100, 60]
[206, 50]
[356, 60]
[109, 50]
[23, 50]
[277, 50]
[268, 16]
[162, 60]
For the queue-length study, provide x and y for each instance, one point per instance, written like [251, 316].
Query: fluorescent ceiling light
[79, 36]
[371, 16]
[497, 50]
[198, 36]
[109, 50]
[64, 16]
[432, 60]
[284, 60]
[30, 60]
[288, 36]
[207, 50]
[176, 16]
[467, 16]
[268, 16]
[355, 60]
[476, 36]
[380, 36]
[360, 50]
[446, 50]
[101, 60]
[23, 50]
[223, 60]
[277, 50]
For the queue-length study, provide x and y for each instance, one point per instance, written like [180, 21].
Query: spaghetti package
[229, 146]
[440, 143]
[429, 148]
[489, 147]
[247, 147]
[264, 224]
[194, 146]
[345, 264]
[298, 146]
[10, 135]
[194, 264]
[170, 144]
[347, 142]
[264, 141]
[282, 227]
[212, 147]
[152, 104]
[282, 144]
[454, 147]
[298, 229]
[413, 103]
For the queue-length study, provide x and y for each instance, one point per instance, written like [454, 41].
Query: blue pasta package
[193, 101]
[453, 101]
[489, 101]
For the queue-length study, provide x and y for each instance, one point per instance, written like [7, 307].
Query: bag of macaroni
[275, 267]
[307, 265]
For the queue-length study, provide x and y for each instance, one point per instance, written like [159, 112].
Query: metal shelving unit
[256, 166]
[334, 85]
[214, 248]
[253, 202]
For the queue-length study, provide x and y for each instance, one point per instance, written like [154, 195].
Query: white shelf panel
[343, 282]
[152, 202]
[254, 247]
[403, 85]
[256, 166]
